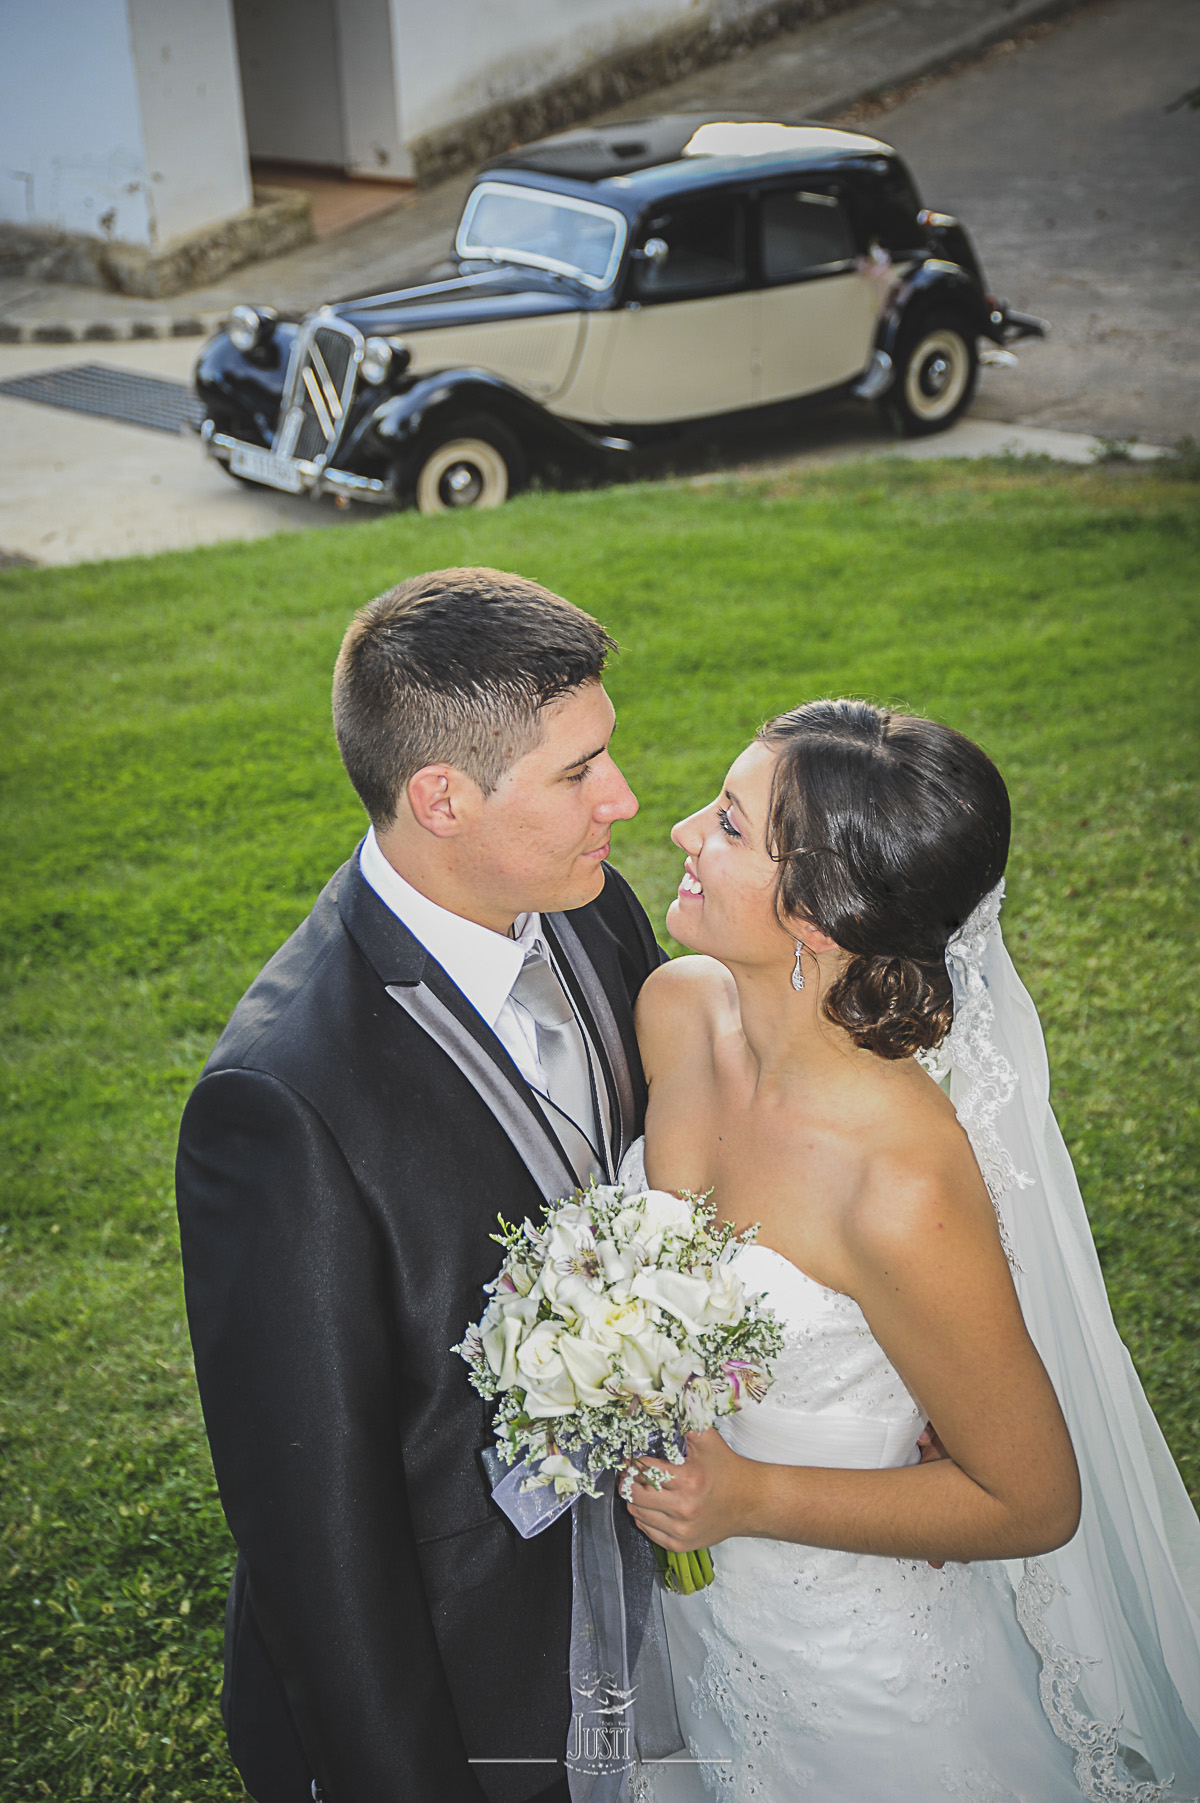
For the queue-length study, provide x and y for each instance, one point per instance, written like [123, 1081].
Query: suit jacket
[341, 1164]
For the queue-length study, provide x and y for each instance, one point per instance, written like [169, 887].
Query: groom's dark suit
[341, 1165]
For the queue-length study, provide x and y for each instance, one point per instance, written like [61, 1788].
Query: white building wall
[185, 58]
[463, 56]
[71, 151]
[120, 118]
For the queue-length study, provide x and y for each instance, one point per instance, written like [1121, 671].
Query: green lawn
[173, 801]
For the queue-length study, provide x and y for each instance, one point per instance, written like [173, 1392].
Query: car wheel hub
[464, 472]
[937, 375]
[461, 486]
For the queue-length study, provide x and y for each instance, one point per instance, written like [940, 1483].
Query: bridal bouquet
[614, 1328]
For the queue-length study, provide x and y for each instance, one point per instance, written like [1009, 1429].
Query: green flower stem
[685, 1573]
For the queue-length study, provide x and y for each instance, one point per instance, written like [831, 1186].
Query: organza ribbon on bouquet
[622, 1699]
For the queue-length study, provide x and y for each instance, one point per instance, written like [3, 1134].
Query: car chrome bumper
[293, 475]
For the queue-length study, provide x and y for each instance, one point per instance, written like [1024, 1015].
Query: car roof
[639, 161]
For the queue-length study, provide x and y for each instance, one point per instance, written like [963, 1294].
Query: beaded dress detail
[808, 1676]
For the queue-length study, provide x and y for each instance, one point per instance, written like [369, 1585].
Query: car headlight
[376, 361]
[248, 327]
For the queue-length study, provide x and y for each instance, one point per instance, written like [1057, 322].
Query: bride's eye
[727, 827]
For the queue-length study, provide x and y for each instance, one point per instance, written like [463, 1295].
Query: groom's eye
[577, 776]
[727, 827]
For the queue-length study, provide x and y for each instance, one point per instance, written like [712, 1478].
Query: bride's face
[726, 902]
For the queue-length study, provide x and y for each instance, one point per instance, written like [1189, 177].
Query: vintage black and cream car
[610, 287]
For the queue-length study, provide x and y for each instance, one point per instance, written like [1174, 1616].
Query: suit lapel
[419, 985]
[593, 1003]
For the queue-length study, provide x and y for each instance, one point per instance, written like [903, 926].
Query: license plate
[264, 466]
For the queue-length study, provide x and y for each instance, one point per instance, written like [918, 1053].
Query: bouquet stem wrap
[622, 1698]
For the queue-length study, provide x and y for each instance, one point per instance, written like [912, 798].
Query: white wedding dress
[836, 1678]
[807, 1676]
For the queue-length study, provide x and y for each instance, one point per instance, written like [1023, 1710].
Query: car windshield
[549, 231]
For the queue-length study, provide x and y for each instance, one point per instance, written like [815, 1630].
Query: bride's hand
[702, 1501]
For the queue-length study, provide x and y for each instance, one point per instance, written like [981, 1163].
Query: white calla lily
[684, 1297]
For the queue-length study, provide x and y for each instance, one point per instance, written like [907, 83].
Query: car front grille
[320, 389]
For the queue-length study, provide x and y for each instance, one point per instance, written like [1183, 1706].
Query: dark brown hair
[888, 830]
[454, 667]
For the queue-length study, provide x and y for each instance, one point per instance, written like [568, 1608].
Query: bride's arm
[929, 1274]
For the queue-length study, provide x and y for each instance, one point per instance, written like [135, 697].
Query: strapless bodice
[835, 1400]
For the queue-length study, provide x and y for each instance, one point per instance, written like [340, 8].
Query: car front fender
[396, 429]
[934, 282]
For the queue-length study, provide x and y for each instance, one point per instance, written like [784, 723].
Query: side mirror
[654, 250]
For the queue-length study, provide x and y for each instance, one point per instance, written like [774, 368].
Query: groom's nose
[618, 801]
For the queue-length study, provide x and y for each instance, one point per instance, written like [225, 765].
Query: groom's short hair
[455, 667]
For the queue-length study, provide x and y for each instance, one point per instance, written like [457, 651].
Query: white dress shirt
[483, 964]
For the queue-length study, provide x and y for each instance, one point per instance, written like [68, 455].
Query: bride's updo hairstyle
[888, 831]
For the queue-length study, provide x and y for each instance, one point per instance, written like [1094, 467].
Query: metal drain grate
[111, 394]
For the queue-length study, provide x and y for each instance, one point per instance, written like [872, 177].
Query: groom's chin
[586, 885]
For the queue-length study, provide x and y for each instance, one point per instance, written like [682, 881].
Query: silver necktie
[564, 1061]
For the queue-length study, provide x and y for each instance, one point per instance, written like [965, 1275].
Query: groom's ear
[443, 800]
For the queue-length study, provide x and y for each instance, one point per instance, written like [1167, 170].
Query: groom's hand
[702, 1502]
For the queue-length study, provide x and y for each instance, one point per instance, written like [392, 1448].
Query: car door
[817, 313]
[682, 344]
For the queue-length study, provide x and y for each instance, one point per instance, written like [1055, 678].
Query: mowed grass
[173, 801]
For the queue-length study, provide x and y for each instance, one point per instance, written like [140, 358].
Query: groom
[447, 1037]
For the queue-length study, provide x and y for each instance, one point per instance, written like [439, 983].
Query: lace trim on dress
[970, 1049]
[1096, 1745]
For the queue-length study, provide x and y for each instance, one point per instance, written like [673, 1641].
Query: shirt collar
[483, 964]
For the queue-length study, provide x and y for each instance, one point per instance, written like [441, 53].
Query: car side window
[802, 230]
[690, 251]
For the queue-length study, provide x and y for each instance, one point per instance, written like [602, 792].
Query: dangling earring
[798, 972]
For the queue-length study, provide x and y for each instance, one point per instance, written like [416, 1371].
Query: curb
[109, 331]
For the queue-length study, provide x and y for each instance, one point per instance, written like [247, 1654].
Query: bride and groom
[451, 1035]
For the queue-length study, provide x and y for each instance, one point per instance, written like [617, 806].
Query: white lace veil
[1115, 1614]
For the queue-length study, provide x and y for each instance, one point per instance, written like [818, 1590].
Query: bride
[891, 1619]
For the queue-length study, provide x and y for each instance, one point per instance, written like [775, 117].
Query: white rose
[627, 1224]
[587, 1366]
[548, 1386]
[684, 1297]
[611, 1319]
[664, 1213]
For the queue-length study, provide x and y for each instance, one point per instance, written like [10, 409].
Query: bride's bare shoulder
[681, 1001]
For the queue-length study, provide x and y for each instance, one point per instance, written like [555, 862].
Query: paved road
[1083, 192]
